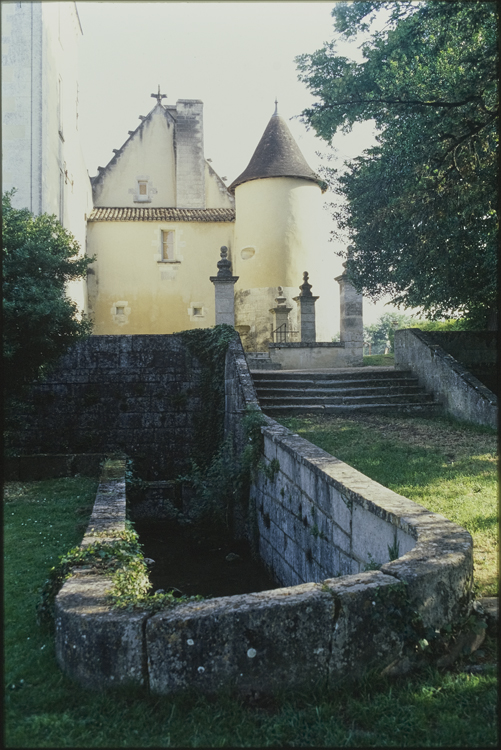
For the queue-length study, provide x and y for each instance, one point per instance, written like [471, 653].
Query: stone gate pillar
[225, 297]
[306, 313]
[280, 334]
[351, 314]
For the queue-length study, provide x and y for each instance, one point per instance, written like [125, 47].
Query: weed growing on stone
[371, 564]
[225, 481]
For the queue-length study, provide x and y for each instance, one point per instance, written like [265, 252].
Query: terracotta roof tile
[162, 214]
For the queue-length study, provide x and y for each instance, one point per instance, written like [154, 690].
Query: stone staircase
[364, 389]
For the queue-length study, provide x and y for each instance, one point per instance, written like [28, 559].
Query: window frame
[140, 197]
[162, 258]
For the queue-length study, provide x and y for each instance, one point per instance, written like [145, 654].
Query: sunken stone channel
[320, 525]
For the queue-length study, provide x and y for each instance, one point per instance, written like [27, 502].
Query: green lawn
[379, 360]
[446, 466]
[45, 709]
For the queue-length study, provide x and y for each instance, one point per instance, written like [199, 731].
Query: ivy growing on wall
[226, 480]
[209, 346]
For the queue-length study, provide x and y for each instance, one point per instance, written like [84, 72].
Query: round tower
[277, 205]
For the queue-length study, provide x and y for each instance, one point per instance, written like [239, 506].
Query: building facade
[157, 215]
[42, 156]
[162, 214]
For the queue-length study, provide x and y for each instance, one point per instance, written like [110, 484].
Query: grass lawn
[379, 360]
[44, 709]
[447, 466]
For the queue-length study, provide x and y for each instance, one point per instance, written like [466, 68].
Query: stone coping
[442, 548]
[461, 394]
[308, 345]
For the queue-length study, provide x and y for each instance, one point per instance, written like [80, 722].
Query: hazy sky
[234, 56]
[237, 57]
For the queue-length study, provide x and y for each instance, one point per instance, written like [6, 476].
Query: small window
[167, 245]
[120, 311]
[197, 311]
[142, 191]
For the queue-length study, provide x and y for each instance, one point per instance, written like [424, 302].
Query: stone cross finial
[275, 113]
[159, 96]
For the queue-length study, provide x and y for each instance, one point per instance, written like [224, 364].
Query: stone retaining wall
[460, 392]
[321, 628]
[136, 394]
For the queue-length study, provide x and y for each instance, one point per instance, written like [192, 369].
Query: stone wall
[316, 355]
[462, 394]
[312, 634]
[476, 350]
[318, 517]
[319, 632]
[136, 394]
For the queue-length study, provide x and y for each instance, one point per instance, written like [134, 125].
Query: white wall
[42, 155]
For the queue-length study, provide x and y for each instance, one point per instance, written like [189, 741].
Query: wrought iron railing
[284, 335]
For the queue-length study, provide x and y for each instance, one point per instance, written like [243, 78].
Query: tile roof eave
[135, 214]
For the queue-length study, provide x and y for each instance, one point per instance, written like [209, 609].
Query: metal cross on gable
[159, 96]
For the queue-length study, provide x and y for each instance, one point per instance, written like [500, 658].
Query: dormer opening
[142, 190]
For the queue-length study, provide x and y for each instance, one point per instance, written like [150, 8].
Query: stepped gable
[170, 115]
[277, 155]
[162, 214]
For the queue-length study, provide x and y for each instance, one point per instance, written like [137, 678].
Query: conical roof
[277, 155]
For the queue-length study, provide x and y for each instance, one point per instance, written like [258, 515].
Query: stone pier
[306, 313]
[351, 318]
[224, 284]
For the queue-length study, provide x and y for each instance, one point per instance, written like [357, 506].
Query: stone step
[345, 375]
[262, 383]
[423, 409]
[316, 390]
[343, 391]
[345, 400]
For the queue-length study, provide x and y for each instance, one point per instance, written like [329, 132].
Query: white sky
[234, 56]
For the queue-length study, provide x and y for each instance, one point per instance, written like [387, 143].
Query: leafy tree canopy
[383, 330]
[39, 321]
[419, 208]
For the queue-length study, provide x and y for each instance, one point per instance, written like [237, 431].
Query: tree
[419, 208]
[39, 321]
[383, 330]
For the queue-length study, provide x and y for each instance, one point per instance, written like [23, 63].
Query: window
[167, 246]
[197, 311]
[142, 190]
[120, 311]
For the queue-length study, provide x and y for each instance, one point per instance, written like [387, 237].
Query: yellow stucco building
[161, 215]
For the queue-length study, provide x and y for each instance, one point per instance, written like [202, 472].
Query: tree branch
[405, 102]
